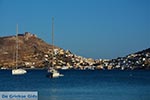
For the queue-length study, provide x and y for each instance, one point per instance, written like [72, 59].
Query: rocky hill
[30, 50]
[33, 52]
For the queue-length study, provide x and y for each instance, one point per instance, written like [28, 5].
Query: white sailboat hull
[55, 74]
[18, 71]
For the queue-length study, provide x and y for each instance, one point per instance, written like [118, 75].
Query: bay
[81, 84]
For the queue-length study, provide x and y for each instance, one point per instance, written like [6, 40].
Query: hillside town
[35, 53]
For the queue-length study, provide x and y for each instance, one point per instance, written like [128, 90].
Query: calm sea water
[81, 85]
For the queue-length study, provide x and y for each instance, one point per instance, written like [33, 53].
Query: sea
[81, 84]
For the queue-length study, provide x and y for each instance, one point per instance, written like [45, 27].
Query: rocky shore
[35, 53]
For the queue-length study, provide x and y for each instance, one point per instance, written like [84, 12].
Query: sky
[99, 29]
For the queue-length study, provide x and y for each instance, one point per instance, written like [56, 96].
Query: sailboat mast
[52, 39]
[53, 33]
[16, 46]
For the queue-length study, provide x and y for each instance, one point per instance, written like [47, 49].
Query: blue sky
[90, 28]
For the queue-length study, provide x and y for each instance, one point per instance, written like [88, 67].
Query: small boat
[65, 68]
[53, 73]
[3, 68]
[17, 71]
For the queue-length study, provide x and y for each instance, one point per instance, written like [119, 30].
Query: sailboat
[17, 71]
[53, 73]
